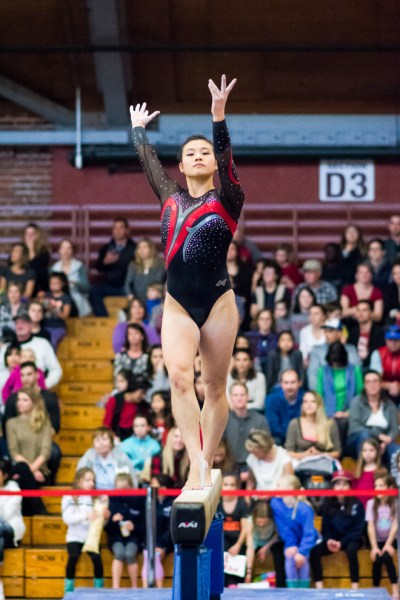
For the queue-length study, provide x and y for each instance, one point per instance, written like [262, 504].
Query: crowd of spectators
[315, 372]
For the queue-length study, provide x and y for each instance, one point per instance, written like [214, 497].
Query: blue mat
[233, 594]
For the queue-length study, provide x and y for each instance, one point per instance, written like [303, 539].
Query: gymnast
[200, 314]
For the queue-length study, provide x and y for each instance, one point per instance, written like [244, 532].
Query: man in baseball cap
[323, 290]
[386, 360]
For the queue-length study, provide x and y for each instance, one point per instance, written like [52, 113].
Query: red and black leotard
[195, 232]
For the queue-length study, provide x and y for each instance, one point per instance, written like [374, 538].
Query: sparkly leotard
[195, 232]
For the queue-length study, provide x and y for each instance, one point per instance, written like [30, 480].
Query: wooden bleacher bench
[114, 304]
[91, 327]
[66, 471]
[14, 573]
[72, 441]
[83, 392]
[81, 417]
[78, 348]
[87, 370]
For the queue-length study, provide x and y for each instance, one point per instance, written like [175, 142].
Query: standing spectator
[241, 421]
[39, 256]
[18, 270]
[134, 356]
[300, 316]
[392, 295]
[146, 268]
[386, 361]
[284, 404]
[332, 265]
[263, 539]
[267, 462]
[270, 290]
[368, 463]
[364, 333]
[58, 308]
[291, 276]
[333, 332]
[313, 334]
[392, 243]
[353, 250]
[240, 273]
[113, 261]
[284, 357]
[248, 250]
[323, 290]
[76, 273]
[244, 372]
[342, 529]
[378, 262]
[362, 289]
[263, 337]
[136, 313]
[372, 414]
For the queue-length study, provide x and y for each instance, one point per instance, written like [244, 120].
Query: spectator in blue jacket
[140, 447]
[294, 521]
[284, 404]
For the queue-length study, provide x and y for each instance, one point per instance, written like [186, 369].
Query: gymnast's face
[198, 159]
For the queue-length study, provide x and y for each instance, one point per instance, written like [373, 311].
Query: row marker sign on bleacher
[347, 181]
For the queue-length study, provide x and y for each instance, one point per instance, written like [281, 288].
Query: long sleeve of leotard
[231, 194]
[162, 184]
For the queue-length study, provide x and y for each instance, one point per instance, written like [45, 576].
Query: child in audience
[175, 460]
[122, 407]
[294, 521]
[161, 415]
[164, 544]
[281, 316]
[369, 460]
[58, 307]
[342, 529]
[125, 529]
[77, 513]
[156, 375]
[12, 526]
[381, 516]
[140, 447]
[236, 531]
[263, 539]
[14, 383]
[222, 458]
[11, 360]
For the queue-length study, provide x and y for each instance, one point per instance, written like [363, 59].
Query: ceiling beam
[112, 74]
[35, 103]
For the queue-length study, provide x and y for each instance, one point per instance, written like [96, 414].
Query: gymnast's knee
[181, 379]
[215, 390]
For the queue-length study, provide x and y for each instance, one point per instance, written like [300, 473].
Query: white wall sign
[346, 181]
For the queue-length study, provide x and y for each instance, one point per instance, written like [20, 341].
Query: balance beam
[193, 511]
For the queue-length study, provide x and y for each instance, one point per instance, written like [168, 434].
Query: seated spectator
[333, 333]
[243, 371]
[392, 295]
[264, 539]
[332, 265]
[76, 273]
[342, 529]
[248, 250]
[364, 333]
[113, 261]
[270, 290]
[58, 307]
[29, 446]
[155, 297]
[11, 306]
[12, 528]
[36, 313]
[39, 256]
[134, 355]
[313, 334]
[122, 407]
[284, 357]
[222, 458]
[157, 375]
[146, 268]
[362, 289]
[368, 463]
[256, 278]
[46, 359]
[372, 414]
[290, 274]
[353, 251]
[392, 243]
[338, 382]
[262, 337]
[105, 459]
[381, 267]
[267, 461]
[18, 270]
[323, 291]
[11, 358]
[240, 274]
[241, 421]
[385, 360]
[175, 460]
[141, 447]
[312, 433]
[14, 382]
[300, 316]
[281, 316]
[161, 415]
[136, 313]
[30, 379]
[284, 404]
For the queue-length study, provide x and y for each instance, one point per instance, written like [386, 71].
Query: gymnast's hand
[140, 115]
[219, 97]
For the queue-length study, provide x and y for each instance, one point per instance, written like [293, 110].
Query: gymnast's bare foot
[199, 475]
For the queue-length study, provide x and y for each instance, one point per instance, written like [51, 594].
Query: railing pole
[151, 533]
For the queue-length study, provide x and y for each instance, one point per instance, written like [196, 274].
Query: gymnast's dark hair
[192, 138]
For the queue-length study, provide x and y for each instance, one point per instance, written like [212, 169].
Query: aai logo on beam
[347, 181]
